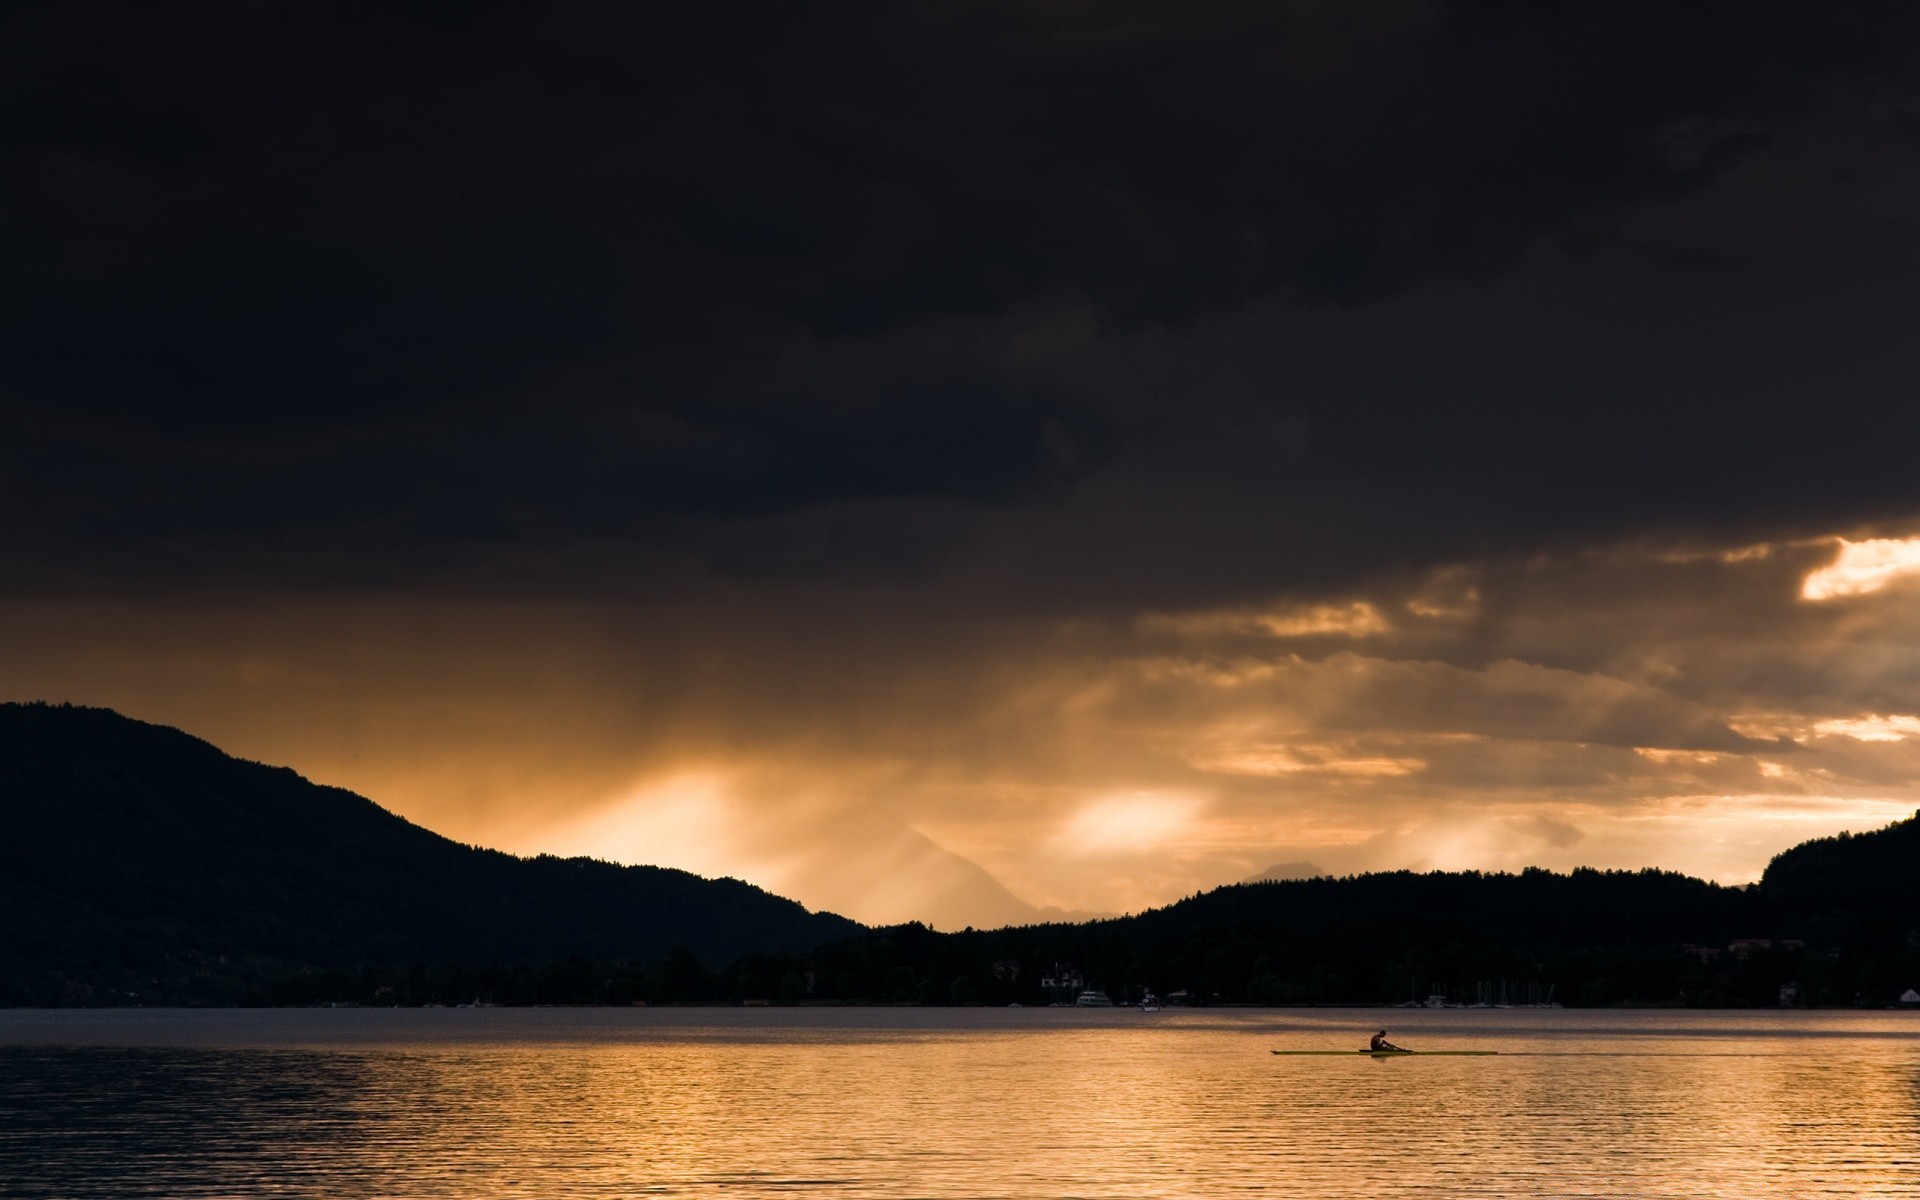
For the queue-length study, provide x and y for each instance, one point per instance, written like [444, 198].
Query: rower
[1380, 1042]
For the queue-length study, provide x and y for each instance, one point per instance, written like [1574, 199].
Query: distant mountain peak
[1286, 870]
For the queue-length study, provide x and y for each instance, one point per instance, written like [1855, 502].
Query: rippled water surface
[1021, 1103]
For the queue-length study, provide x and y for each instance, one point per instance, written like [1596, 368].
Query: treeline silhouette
[138, 865]
[1586, 939]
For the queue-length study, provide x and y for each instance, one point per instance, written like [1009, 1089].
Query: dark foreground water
[1022, 1103]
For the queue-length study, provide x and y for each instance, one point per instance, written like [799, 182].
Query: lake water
[1018, 1103]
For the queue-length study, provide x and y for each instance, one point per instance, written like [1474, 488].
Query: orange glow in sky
[1684, 708]
[1864, 567]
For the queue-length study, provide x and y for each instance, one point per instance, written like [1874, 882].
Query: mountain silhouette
[141, 865]
[132, 855]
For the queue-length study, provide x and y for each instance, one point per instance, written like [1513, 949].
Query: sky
[985, 462]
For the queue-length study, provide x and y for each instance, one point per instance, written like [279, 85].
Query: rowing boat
[1391, 1053]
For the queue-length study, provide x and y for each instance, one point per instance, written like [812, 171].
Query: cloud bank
[1014, 456]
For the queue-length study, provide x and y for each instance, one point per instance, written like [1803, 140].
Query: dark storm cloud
[367, 293]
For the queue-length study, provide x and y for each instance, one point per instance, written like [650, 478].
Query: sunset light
[1041, 600]
[1863, 568]
[1871, 728]
[1128, 823]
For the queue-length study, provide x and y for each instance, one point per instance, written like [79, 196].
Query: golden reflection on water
[558, 1104]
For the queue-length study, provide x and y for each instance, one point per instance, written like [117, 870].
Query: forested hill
[1835, 922]
[1534, 909]
[1856, 885]
[1586, 937]
[137, 859]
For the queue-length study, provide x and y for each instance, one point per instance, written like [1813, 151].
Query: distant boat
[1396, 1053]
[1093, 999]
[1150, 1003]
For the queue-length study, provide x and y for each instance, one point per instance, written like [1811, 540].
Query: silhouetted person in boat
[1380, 1042]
